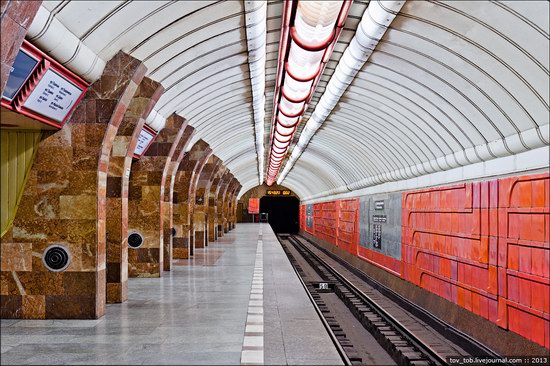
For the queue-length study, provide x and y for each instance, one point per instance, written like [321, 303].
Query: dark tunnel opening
[283, 213]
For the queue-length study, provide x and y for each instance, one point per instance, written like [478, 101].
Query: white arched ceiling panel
[449, 84]
[196, 49]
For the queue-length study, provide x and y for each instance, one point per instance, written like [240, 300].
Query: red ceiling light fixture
[308, 36]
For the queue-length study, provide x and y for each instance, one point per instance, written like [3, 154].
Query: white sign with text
[143, 141]
[53, 97]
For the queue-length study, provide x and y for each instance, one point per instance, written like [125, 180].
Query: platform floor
[238, 301]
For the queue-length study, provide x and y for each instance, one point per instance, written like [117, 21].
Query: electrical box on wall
[40, 93]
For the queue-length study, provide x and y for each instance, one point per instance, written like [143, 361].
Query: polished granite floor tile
[193, 315]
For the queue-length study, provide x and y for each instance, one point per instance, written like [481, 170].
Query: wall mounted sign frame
[41, 88]
[145, 139]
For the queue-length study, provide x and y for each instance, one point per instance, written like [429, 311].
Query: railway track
[347, 308]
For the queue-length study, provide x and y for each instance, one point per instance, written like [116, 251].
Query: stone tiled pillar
[16, 17]
[120, 163]
[146, 200]
[169, 231]
[233, 207]
[64, 203]
[200, 216]
[227, 179]
[185, 183]
[213, 203]
[226, 204]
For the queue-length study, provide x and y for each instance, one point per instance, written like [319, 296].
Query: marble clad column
[235, 204]
[168, 226]
[213, 204]
[146, 200]
[120, 163]
[221, 197]
[64, 203]
[233, 207]
[200, 220]
[16, 17]
[185, 183]
[226, 204]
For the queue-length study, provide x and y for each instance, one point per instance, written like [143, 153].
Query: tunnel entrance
[283, 213]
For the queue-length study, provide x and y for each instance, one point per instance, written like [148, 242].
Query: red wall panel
[484, 246]
[348, 225]
[325, 225]
[524, 256]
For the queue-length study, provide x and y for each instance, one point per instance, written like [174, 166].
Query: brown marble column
[64, 204]
[213, 204]
[200, 216]
[146, 200]
[16, 17]
[120, 163]
[221, 202]
[233, 207]
[169, 230]
[226, 204]
[185, 184]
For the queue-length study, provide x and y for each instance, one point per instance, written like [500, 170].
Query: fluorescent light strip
[306, 46]
[374, 23]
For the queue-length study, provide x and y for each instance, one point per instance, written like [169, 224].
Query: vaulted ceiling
[450, 83]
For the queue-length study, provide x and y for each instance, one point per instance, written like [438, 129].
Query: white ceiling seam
[53, 38]
[256, 33]
[371, 29]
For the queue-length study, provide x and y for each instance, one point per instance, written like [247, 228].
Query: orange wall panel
[483, 245]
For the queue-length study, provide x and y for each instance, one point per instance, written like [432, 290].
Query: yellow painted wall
[17, 150]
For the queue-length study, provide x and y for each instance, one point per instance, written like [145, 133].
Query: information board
[144, 140]
[41, 89]
[309, 216]
[377, 236]
[53, 96]
[253, 206]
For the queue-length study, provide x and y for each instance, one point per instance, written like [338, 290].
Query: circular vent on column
[56, 258]
[135, 240]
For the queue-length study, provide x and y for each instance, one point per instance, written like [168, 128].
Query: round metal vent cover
[56, 258]
[135, 240]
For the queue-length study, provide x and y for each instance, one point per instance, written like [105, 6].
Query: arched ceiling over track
[450, 83]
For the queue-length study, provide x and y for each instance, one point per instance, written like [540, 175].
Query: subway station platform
[236, 302]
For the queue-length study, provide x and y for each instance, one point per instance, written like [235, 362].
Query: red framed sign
[41, 88]
[145, 139]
